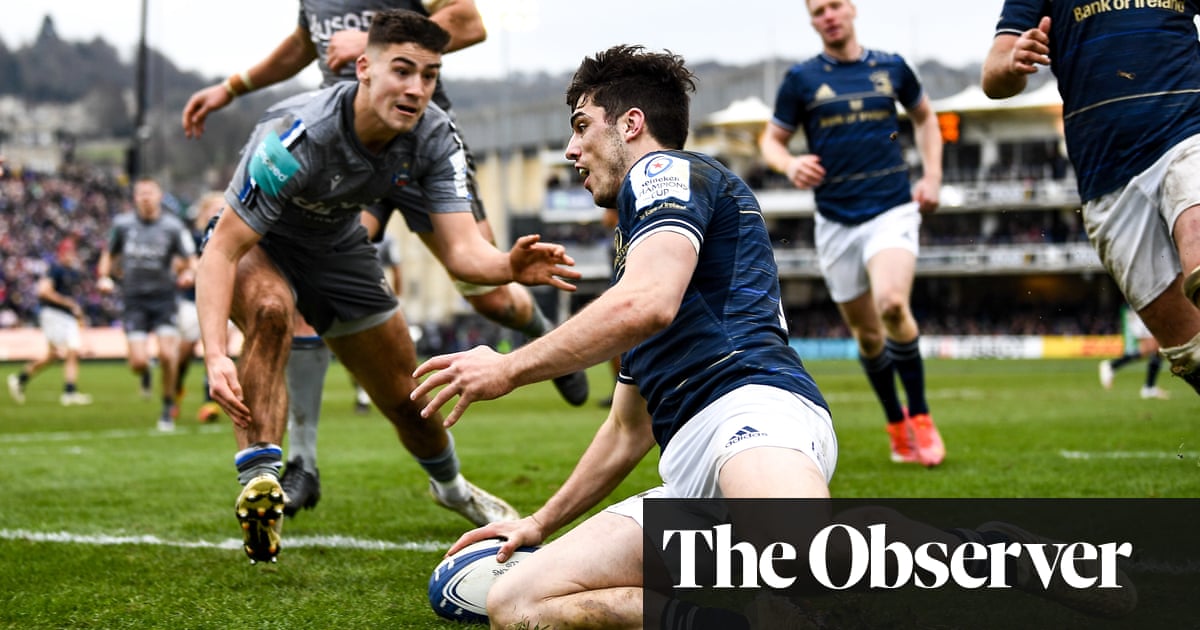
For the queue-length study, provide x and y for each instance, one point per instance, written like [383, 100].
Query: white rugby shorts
[843, 250]
[748, 417]
[61, 329]
[1132, 227]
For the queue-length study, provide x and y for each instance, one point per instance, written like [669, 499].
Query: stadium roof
[973, 99]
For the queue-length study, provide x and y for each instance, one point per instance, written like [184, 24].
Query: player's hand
[520, 533]
[345, 47]
[533, 262]
[200, 105]
[1032, 49]
[104, 284]
[927, 193]
[477, 374]
[805, 171]
[224, 388]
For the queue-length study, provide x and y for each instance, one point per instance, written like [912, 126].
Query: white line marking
[291, 542]
[1128, 454]
[114, 434]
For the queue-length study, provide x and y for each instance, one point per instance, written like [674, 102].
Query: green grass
[102, 472]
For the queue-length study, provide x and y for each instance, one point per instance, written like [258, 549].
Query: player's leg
[69, 347]
[562, 585]
[263, 307]
[306, 369]
[166, 332]
[382, 358]
[137, 332]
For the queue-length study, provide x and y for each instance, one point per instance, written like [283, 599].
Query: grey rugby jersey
[147, 250]
[304, 176]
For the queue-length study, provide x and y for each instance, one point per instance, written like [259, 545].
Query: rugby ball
[459, 585]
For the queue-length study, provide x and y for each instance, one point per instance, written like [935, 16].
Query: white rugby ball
[459, 584]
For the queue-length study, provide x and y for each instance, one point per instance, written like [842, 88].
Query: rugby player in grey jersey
[291, 241]
[333, 34]
[156, 254]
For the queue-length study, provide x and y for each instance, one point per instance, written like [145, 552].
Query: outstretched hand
[534, 262]
[200, 105]
[477, 374]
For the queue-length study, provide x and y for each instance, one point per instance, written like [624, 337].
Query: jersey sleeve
[1019, 16]
[789, 102]
[910, 91]
[445, 180]
[266, 173]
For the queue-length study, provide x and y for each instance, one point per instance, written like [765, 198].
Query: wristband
[245, 77]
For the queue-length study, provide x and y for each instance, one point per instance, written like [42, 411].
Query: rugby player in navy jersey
[1129, 78]
[868, 214]
[694, 307]
[333, 34]
[291, 241]
[60, 316]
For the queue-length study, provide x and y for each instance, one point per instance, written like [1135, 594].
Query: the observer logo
[874, 561]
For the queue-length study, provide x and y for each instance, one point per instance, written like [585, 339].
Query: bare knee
[270, 317]
[497, 305]
[893, 310]
[509, 603]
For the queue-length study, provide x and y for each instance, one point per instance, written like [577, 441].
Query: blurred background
[91, 95]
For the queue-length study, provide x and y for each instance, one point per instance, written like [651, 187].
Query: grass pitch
[106, 523]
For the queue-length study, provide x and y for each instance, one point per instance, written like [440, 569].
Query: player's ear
[633, 123]
[361, 66]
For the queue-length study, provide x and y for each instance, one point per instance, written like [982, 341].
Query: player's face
[397, 80]
[598, 153]
[147, 197]
[833, 20]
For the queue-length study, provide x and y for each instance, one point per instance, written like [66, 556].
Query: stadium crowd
[37, 211]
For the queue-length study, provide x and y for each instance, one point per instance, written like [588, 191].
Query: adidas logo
[744, 433]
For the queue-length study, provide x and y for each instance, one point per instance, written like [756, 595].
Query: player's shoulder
[877, 57]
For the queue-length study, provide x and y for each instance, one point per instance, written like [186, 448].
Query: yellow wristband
[229, 88]
[245, 75]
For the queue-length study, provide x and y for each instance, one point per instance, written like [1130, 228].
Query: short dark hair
[401, 26]
[627, 76]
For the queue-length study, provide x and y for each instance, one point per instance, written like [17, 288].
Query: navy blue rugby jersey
[66, 282]
[848, 113]
[1129, 78]
[730, 329]
[304, 176]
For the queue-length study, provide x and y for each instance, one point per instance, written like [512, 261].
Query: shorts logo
[744, 433]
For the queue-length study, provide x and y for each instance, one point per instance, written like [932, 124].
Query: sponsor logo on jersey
[662, 177]
[272, 166]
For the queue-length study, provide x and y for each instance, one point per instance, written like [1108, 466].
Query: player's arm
[460, 18]
[291, 56]
[1013, 58]
[46, 293]
[803, 171]
[928, 136]
[104, 271]
[231, 238]
[643, 302]
[620, 443]
[462, 250]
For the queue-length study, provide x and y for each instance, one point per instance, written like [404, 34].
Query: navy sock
[911, 370]
[1123, 359]
[1152, 369]
[881, 375]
